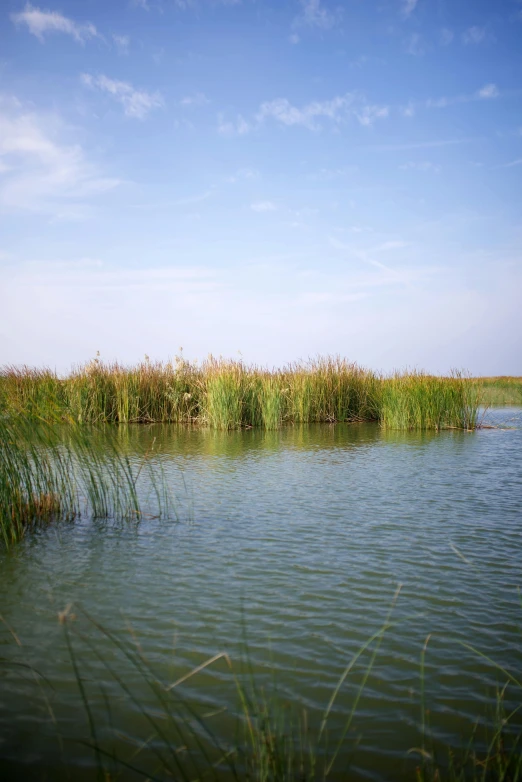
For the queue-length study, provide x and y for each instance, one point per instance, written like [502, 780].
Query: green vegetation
[418, 401]
[230, 394]
[49, 473]
[500, 390]
[176, 732]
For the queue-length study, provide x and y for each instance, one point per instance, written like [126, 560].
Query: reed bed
[500, 391]
[227, 394]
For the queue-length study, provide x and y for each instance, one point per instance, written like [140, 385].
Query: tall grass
[265, 737]
[419, 401]
[500, 390]
[230, 394]
[50, 473]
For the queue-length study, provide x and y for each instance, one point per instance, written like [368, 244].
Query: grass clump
[419, 401]
[225, 386]
[228, 394]
[49, 473]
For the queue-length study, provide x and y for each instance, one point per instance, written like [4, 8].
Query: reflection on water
[297, 539]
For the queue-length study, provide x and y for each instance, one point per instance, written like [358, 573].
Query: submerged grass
[230, 394]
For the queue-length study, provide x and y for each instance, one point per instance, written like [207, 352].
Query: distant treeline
[229, 394]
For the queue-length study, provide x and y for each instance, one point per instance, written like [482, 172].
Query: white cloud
[41, 172]
[393, 318]
[314, 14]
[282, 110]
[408, 7]
[263, 206]
[474, 35]
[511, 164]
[420, 145]
[238, 128]
[40, 23]
[136, 103]
[391, 244]
[446, 36]
[336, 109]
[175, 203]
[415, 45]
[423, 165]
[368, 114]
[122, 43]
[243, 173]
[409, 110]
[198, 99]
[488, 91]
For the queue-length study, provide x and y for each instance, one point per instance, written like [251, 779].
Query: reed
[264, 736]
[49, 473]
[420, 401]
[228, 394]
[500, 391]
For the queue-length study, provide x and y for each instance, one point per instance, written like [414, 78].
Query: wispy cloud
[315, 14]
[136, 103]
[408, 110]
[237, 128]
[263, 206]
[198, 99]
[122, 43]
[367, 115]
[415, 45]
[511, 164]
[176, 202]
[390, 275]
[42, 173]
[487, 92]
[41, 23]
[446, 36]
[434, 144]
[335, 110]
[474, 35]
[242, 173]
[408, 7]
[284, 112]
[423, 165]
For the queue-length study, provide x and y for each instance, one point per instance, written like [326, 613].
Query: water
[297, 541]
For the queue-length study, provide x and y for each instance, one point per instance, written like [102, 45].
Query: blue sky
[277, 178]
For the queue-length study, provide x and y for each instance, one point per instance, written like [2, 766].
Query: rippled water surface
[295, 541]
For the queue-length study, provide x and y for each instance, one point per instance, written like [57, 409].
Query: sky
[265, 179]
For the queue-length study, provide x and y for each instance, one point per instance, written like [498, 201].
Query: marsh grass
[49, 472]
[420, 401]
[228, 394]
[265, 737]
[500, 391]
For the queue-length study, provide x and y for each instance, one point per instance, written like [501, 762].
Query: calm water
[296, 540]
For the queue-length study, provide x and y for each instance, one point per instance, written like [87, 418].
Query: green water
[295, 540]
